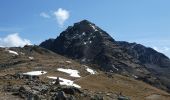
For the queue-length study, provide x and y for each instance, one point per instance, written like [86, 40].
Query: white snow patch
[84, 33]
[85, 43]
[91, 71]
[93, 27]
[13, 52]
[115, 67]
[35, 73]
[90, 41]
[135, 76]
[31, 58]
[73, 73]
[68, 62]
[65, 81]
[83, 60]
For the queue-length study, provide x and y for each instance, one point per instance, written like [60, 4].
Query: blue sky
[32, 21]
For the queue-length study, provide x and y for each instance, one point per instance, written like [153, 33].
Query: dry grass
[136, 90]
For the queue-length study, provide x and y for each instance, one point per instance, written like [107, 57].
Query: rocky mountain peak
[85, 25]
[89, 44]
[84, 30]
[79, 41]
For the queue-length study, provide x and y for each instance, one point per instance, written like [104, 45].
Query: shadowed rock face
[90, 44]
[83, 40]
[157, 63]
[145, 55]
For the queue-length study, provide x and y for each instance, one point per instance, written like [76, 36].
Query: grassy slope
[49, 62]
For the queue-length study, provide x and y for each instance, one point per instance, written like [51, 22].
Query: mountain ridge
[91, 45]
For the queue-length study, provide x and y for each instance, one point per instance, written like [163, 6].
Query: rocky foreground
[39, 90]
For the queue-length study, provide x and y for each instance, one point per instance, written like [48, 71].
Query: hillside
[91, 84]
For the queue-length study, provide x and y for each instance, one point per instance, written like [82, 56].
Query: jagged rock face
[148, 56]
[154, 61]
[90, 44]
[83, 41]
[145, 55]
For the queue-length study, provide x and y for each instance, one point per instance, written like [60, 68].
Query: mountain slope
[34, 58]
[155, 62]
[89, 44]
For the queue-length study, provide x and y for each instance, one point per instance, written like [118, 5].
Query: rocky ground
[39, 90]
[92, 86]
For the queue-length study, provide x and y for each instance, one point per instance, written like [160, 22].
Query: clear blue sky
[142, 21]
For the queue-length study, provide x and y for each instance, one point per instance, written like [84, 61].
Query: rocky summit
[89, 44]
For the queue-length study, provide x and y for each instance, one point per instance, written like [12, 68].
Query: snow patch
[73, 73]
[115, 67]
[135, 76]
[94, 28]
[90, 41]
[68, 62]
[91, 71]
[35, 73]
[85, 43]
[84, 33]
[13, 52]
[31, 58]
[83, 60]
[65, 82]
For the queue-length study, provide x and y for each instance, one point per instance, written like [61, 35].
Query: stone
[123, 98]
[97, 97]
[57, 81]
[71, 90]
[60, 96]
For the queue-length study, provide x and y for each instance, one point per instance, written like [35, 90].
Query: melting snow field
[73, 73]
[12, 52]
[35, 73]
[65, 81]
[91, 71]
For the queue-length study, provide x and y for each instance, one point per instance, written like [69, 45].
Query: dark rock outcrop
[90, 44]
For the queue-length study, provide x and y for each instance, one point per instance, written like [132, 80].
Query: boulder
[60, 96]
[71, 90]
[123, 98]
